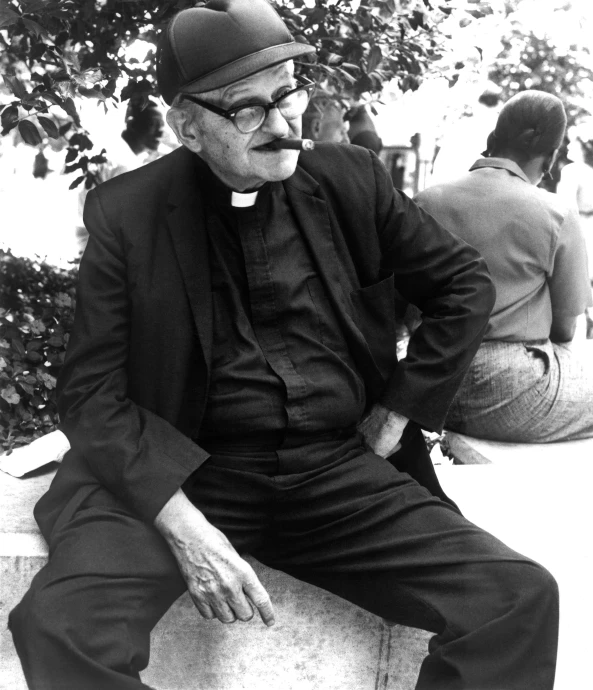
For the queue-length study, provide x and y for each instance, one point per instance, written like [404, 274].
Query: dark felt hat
[204, 48]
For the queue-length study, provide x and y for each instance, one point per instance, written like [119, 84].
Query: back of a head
[144, 125]
[324, 119]
[530, 124]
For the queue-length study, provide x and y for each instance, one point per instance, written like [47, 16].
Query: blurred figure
[324, 120]
[576, 187]
[525, 383]
[142, 134]
[362, 130]
[464, 141]
[144, 126]
[143, 131]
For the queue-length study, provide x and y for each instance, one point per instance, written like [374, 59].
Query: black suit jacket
[135, 381]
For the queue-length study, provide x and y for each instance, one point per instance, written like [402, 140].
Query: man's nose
[275, 123]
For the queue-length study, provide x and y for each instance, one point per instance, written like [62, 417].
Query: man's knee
[541, 584]
[527, 587]
[37, 617]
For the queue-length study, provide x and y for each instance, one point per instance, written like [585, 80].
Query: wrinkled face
[242, 161]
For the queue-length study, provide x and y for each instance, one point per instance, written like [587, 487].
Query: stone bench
[319, 642]
[468, 450]
[538, 506]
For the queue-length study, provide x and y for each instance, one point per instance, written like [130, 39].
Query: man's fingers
[242, 608]
[223, 612]
[204, 609]
[261, 601]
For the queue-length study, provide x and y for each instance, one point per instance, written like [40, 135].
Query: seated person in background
[324, 120]
[525, 383]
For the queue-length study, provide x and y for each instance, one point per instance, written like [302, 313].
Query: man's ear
[548, 162]
[315, 128]
[185, 127]
[552, 159]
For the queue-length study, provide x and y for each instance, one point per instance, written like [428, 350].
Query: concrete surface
[476, 451]
[319, 642]
[539, 506]
[536, 497]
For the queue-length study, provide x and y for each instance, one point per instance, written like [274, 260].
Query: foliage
[56, 52]
[528, 61]
[35, 321]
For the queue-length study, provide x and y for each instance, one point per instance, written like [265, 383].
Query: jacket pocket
[374, 314]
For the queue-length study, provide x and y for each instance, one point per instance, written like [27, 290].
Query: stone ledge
[541, 507]
[468, 450]
[320, 642]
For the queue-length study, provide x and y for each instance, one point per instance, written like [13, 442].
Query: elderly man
[231, 387]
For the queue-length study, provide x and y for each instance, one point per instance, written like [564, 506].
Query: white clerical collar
[243, 200]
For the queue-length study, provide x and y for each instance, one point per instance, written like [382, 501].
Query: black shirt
[280, 361]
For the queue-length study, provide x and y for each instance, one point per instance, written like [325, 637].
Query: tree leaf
[10, 116]
[77, 181]
[34, 6]
[30, 133]
[52, 97]
[10, 395]
[27, 388]
[35, 28]
[8, 17]
[374, 58]
[49, 126]
[15, 85]
[70, 108]
[18, 346]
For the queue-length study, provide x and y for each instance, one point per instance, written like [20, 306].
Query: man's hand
[382, 430]
[221, 584]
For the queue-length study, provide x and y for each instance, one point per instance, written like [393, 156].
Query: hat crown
[213, 45]
[224, 31]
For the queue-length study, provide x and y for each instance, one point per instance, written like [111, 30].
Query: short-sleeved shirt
[530, 239]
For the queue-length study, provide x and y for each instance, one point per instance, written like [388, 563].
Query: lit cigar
[295, 144]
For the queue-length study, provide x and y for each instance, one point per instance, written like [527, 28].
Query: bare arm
[221, 583]
[568, 280]
[563, 328]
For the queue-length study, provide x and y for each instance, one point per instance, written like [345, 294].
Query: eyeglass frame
[231, 113]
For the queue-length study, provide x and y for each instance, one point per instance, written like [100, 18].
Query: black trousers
[333, 514]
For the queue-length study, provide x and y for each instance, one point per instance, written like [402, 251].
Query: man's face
[242, 161]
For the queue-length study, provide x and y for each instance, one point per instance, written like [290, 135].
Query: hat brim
[247, 66]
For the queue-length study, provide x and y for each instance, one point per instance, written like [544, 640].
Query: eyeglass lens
[250, 118]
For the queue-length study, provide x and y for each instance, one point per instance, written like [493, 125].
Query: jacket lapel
[187, 225]
[334, 265]
[313, 219]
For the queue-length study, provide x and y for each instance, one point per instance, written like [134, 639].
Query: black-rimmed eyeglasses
[248, 118]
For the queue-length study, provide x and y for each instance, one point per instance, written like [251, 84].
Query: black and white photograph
[296, 344]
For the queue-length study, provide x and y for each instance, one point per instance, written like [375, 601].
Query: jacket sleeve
[449, 282]
[134, 453]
